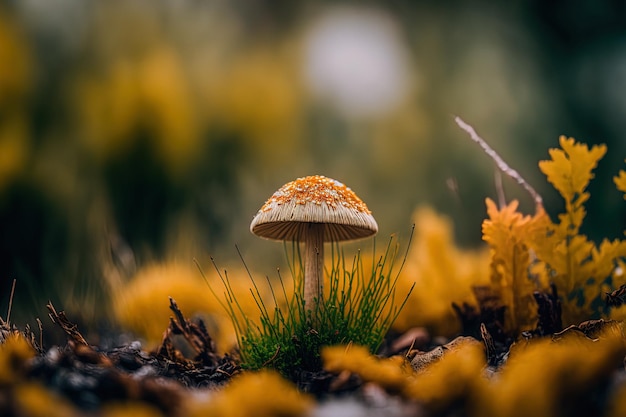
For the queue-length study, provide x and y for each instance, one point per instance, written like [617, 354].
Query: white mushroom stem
[313, 265]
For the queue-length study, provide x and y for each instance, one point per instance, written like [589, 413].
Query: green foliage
[357, 308]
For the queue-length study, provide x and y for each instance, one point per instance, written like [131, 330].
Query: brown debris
[548, 311]
[490, 312]
[616, 298]
[70, 329]
[189, 354]
[196, 341]
[344, 381]
[590, 329]
[77, 343]
[8, 330]
[420, 360]
[90, 378]
[490, 346]
[414, 338]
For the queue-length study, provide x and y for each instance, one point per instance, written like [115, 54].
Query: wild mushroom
[314, 210]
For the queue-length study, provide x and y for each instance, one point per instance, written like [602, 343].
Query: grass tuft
[358, 307]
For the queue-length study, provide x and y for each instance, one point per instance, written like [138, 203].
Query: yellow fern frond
[620, 182]
[510, 236]
[570, 171]
[529, 252]
[577, 266]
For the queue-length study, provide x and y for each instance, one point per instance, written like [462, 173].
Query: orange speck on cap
[314, 199]
[316, 189]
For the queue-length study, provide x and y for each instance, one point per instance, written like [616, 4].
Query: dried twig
[503, 166]
[548, 312]
[11, 302]
[68, 327]
[195, 334]
[490, 346]
[616, 298]
[273, 358]
[40, 325]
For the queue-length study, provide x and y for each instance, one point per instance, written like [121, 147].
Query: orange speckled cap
[314, 199]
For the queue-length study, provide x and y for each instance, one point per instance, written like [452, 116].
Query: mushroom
[314, 210]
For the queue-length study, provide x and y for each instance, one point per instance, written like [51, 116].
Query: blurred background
[144, 131]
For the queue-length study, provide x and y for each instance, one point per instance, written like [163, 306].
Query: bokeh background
[150, 130]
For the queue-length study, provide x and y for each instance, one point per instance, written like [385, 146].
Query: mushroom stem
[313, 265]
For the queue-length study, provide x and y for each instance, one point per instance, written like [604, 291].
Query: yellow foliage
[546, 378]
[14, 149]
[541, 377]
[619, 278]
[570, 171]
[620, 182]
[534, 247]
[15, 84]
[617, 402]
[262, 394]
[442, 273]
[34, 400]
[155, 95]
[577, 266]
[15, 79]
[107, 107]
[146, 93]
[390, 373]
[258, 96]
[454, 380]
[166, 107]
[130, 409]
[143, 304]
[510, 235]
[15, 350]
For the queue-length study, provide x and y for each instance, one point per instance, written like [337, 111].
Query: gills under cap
[314, 199]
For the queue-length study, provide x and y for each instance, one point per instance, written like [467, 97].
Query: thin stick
[40, 333]
[11, 302]
[273, 358]
[504, 167]
[497, 178]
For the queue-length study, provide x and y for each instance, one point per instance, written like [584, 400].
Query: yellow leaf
[546, 378]
[262, 394]
[453, 382]
[570, 169]
[510, 236]
[577, 266]
[35, 400]
[620, 182]
[442, 272]
[142, 306]
[388, 373]
[15, 351]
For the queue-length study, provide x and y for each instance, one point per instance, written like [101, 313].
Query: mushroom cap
[315, 199]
